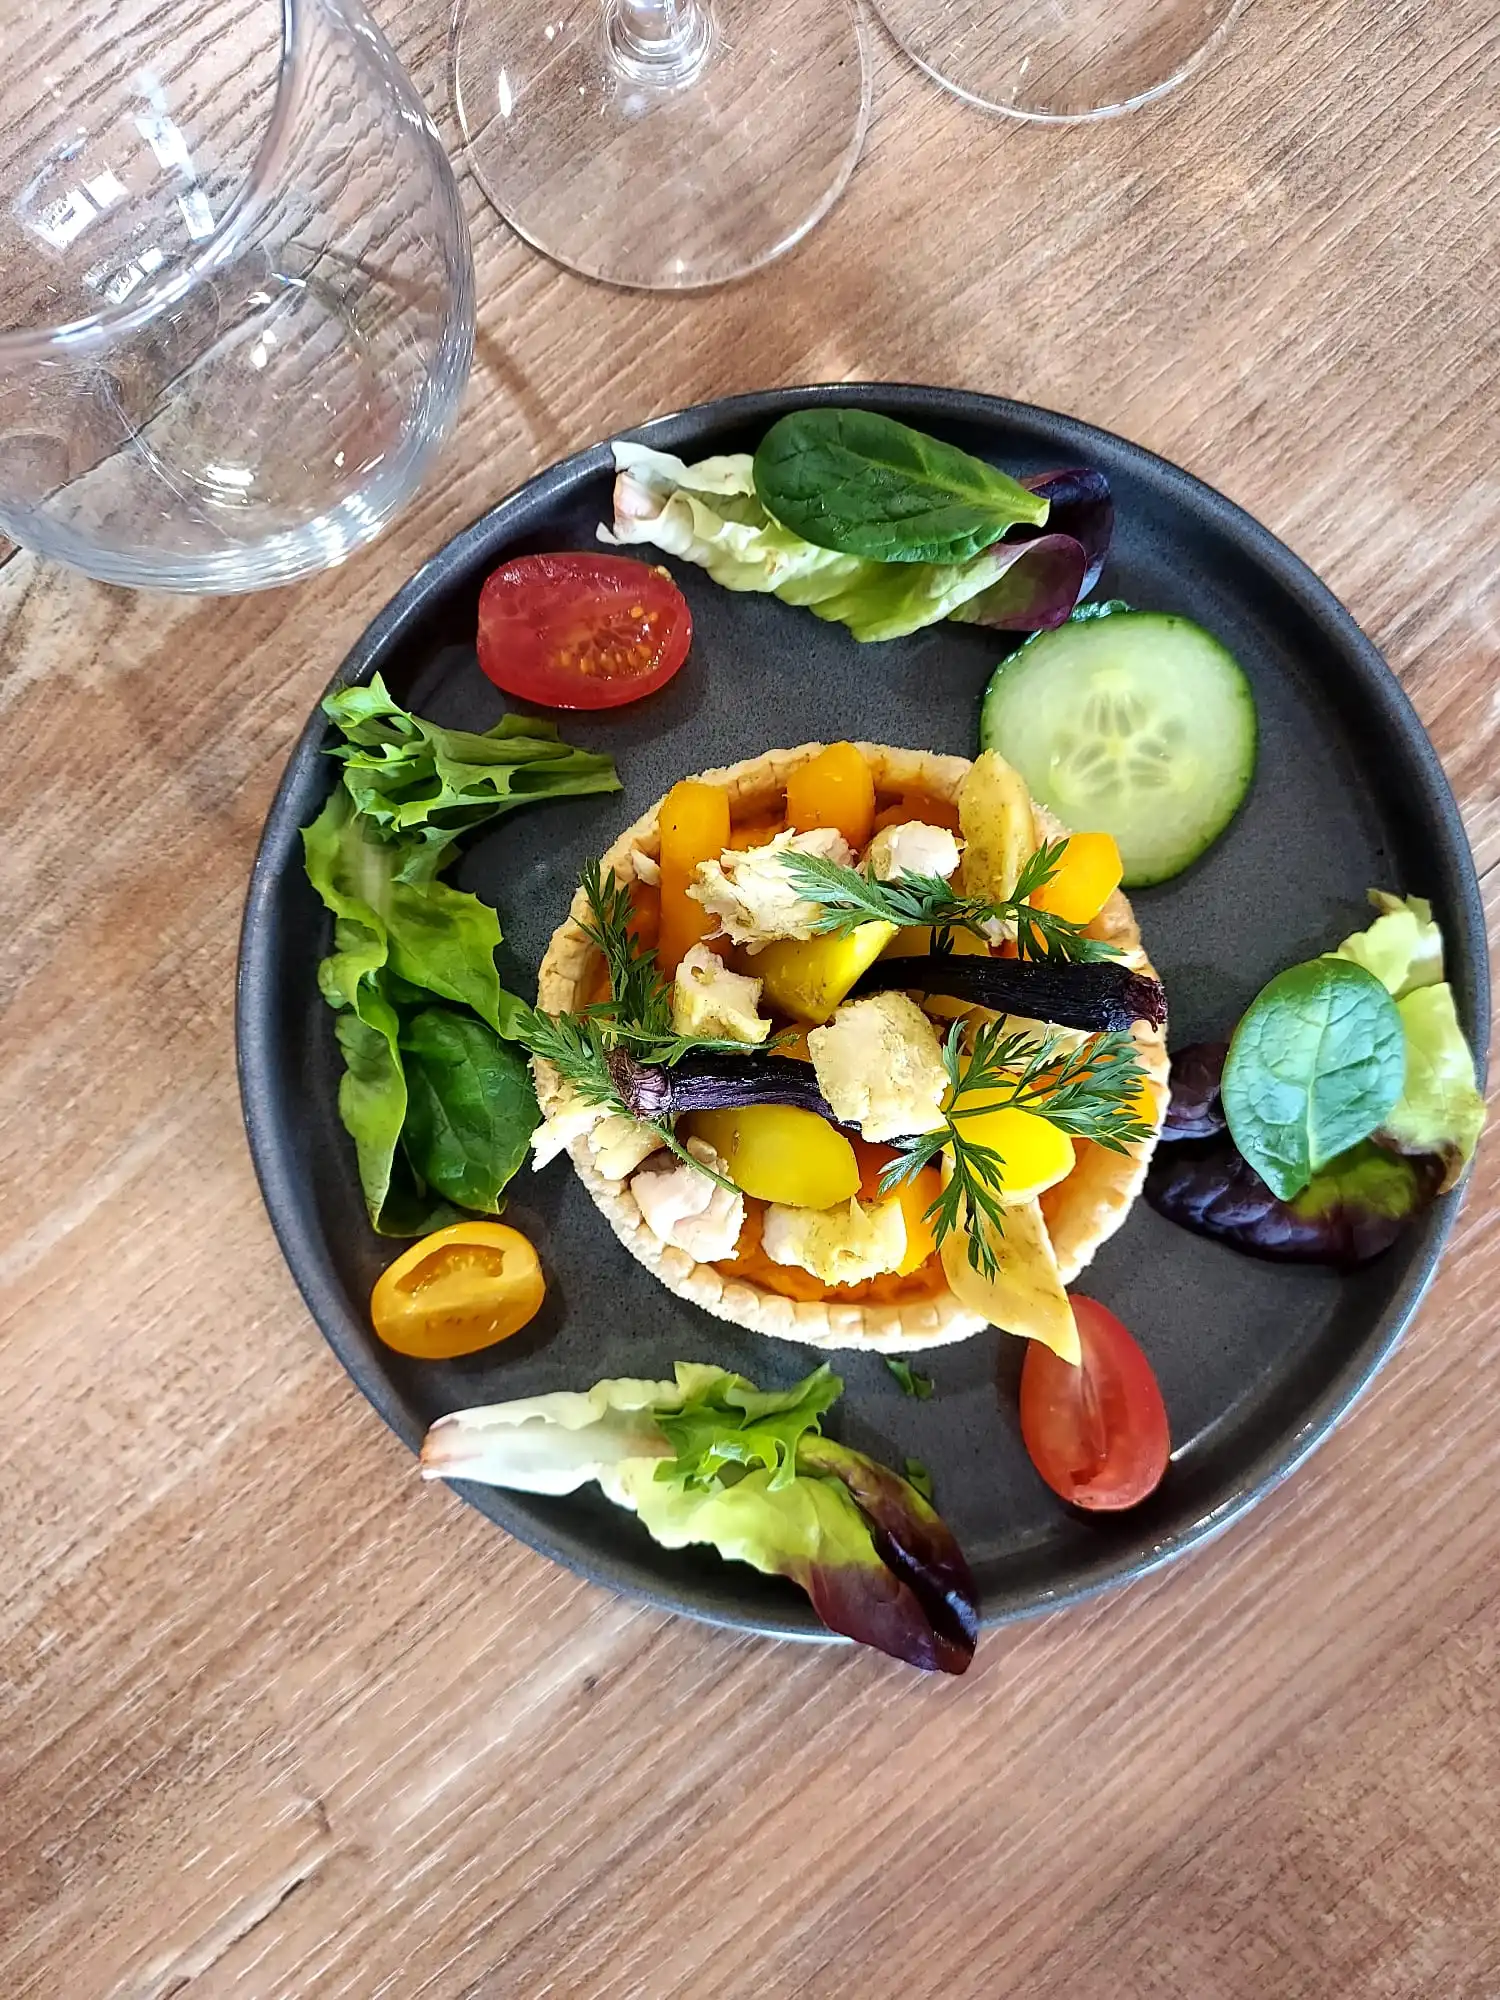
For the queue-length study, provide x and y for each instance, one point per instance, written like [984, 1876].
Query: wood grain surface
[275, 1720]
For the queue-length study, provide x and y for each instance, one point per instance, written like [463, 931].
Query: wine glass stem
[660, 42]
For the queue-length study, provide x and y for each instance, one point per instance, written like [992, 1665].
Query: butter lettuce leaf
[1403, 947]
[1440, 1109]
[709, 1458]
[708, 514]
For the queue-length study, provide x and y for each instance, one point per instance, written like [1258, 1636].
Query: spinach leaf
[470, 1107]
[867, 486]
[1313, 1068]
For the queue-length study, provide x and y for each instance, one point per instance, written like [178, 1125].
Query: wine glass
[236, 294]
[1058, 60]
[662, 144]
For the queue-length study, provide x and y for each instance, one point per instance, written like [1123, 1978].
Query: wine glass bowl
[1058, 61]
[662, 144]
[236, 294]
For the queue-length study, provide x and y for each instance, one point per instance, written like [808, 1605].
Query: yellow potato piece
[778, 1153]
[1036, 1155]
[1026, 1294]
[808, 980]
[999, 829]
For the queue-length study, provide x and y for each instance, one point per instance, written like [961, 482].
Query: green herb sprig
[849, 897]
[1088, 1090]
[910, 1382]
[637, 1016]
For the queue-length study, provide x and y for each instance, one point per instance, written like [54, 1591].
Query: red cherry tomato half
[582, 631]
[1096, 1433]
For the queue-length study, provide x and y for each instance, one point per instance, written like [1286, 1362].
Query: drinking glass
[1058, 60]
[663, 144]
[236, 294]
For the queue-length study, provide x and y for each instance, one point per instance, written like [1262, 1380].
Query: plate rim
[254, 969]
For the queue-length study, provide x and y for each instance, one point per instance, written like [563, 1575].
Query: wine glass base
[662, 187]
[1058, 61]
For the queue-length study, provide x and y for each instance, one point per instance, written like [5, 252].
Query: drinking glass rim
[22, 343]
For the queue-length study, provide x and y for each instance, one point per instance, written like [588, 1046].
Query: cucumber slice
[1135, 724]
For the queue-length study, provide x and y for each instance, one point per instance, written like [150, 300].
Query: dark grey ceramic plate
[1257, 1362]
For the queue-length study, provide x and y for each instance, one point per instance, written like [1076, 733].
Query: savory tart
[752, 954]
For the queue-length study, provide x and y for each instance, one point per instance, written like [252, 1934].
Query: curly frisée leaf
[726, 1420]
[709, 1458]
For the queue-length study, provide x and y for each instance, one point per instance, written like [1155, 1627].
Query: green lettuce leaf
[725, 1420]
[1440, 1109]
[372, 1090]
[1403, 947]
[430, 935]
[470, 1108]
[439, 1108]
[708, 514]
[709, 1458]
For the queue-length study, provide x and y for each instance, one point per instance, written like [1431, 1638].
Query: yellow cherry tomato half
[458, 1290]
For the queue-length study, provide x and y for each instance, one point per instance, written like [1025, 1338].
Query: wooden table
[279, 1721]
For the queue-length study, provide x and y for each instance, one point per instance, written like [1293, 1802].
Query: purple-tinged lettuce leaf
[1350, 1211]
[1062, 561]
[1193, 1109]
[1036, 584]
[709, 514]
[709, 1458]
[917, 1546]
[1078, 505]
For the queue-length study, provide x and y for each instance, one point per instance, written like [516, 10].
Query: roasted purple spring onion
[1099, 998]
[714, 1082]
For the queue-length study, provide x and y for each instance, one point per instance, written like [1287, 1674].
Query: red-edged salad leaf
[709, 1458]
[1350, 1211]
[931, 1617]
[1194, 1110]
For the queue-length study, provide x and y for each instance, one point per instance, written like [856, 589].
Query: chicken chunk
[687, 1209]
[880, 1065]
